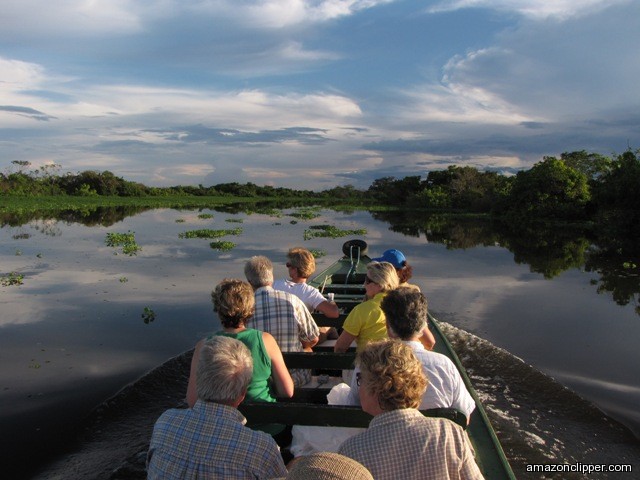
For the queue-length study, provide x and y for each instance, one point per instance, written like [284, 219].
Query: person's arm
[308, 329]
[427, 339]
[344, 342]
[192, 394]
[328, 309]
[281, 379]
[308, 345]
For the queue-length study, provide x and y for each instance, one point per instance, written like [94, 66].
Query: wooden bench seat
[292, 413]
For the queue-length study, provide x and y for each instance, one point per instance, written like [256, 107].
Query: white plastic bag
[308, 439]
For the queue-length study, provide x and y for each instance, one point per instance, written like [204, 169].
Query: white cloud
[279, 14]
[19, 18]
[16, 75]
[536, 9]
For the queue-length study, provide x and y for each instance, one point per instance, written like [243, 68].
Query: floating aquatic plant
[306, 213]
[234, 220]
[148, 315]
[330, 231]
[12, 278]
[317, 253]
[209, 233]
[125, 240]
[205, 216]
[222, 245]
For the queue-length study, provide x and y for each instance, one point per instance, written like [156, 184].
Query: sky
[313, 94]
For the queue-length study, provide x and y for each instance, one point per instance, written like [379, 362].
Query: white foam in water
[536, 418]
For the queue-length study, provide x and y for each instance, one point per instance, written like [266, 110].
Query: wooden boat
[344, 279]
[115, 438]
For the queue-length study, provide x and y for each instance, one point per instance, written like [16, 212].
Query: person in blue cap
[399, 261]
[405, 272]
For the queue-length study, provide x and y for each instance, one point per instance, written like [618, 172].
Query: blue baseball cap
[394, 257]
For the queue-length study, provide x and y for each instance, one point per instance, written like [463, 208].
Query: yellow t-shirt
[367, 322]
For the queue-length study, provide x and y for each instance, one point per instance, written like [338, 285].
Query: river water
[521, 313]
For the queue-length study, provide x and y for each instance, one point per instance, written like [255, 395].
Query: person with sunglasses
[367, 322]
[405, 271]
[301, 265]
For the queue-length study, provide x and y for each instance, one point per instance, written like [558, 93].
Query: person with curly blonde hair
[401, 442]
[366, 322]
[234, 302]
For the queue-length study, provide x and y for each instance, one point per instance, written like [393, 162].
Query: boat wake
[537, 420]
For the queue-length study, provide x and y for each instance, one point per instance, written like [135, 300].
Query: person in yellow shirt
[366, 322]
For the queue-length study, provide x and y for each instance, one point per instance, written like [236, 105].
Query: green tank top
[260, 389]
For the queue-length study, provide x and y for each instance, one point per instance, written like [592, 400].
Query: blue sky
[313, 93]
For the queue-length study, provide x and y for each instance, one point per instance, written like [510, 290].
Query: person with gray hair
[210, 439]
[281, 314]
[406, 314]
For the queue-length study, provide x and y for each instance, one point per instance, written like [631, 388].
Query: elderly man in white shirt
[405, 310]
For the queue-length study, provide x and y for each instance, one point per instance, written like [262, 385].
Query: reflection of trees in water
[617, 262]
[89, 216]
[452, 231]
[48, 227]
[109, 215]
[547, 249]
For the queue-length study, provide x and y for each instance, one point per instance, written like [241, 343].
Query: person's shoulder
[170, 416]
[282, 284]
[351, 444]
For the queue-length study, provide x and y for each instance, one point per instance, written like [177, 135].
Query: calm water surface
[73, 334]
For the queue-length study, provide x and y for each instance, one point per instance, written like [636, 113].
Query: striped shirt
[405, 444]
[210, 441]
[287, 318]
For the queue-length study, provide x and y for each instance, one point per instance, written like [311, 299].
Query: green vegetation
[306, 213]
[317, 253]
[205, 216]
[234, 220]
[578, 186]
[208, 233]
[222, 245]
[125, 240]
[12, 278]
[148, 315]
[330, 231]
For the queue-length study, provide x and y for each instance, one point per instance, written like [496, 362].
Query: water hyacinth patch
[13, 278]
[125, 240]
[205, 216]
[306, 213]
[148, 315]
[222, 245]
[330, 231]
[209, 233]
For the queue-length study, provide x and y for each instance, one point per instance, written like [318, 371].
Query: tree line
[577, 186]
